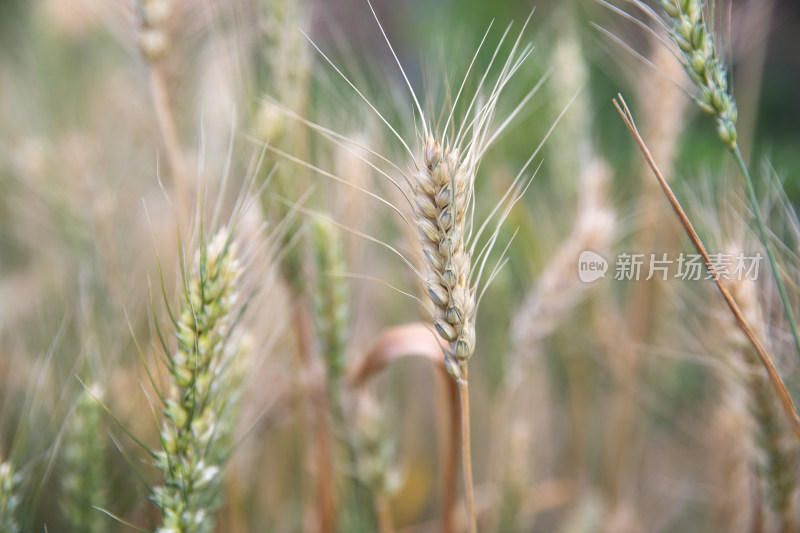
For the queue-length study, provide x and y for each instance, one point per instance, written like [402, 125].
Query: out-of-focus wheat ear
[420, 340]
[10, 499]
[664, 115]
[558, 289]
[84, 483]
[735, 502]
[331, 298]
[377, 465]
[777, 452]
[288, 68]
[775, 379]
[694, 39]
[546, 306]
[662, 123]
[570, 145]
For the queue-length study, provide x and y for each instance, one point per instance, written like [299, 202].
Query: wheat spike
[440, 206]
[9, 498]
[83, 486]
[203, 386]
[698, 54]
[770, 436]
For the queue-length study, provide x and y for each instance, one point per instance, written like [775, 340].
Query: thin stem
[787, 519]
[384, 512]
[466, 452]
[448, 412]
[765, 240]
[172, 143]
[774, 377]
[324, 490]
[326, 505]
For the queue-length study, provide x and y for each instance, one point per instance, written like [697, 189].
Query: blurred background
[614, 407]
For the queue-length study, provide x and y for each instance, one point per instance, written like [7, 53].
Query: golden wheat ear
[441, 194]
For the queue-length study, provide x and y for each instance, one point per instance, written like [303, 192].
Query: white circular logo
[591, 266]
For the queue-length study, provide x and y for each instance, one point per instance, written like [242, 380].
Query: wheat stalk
[688, 29]
[779, 387]
[441, 195]
[154, 45]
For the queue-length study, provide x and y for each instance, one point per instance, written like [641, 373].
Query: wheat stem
[466, 449]
[384, 512]
[154, 45]
[697, 51]
[775, 379]
[172, 144]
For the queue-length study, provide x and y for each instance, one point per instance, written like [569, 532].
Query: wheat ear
[332, 320]
[441, 196]
[9, 498]
[687, 27]
[331, 299]
[778, 386]
[83, 486]
[441, 200]
[203, 385]
[377, 465]
[769, 436]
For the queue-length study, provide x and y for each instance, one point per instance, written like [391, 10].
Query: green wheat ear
[9, 498]
[689, 31]
[204, 386]
[83, 486]
[331, 298]
[698, 54]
